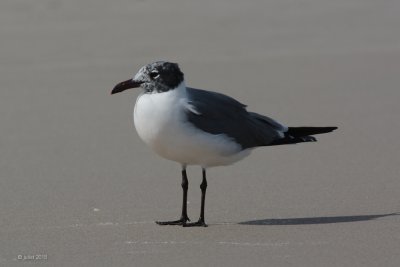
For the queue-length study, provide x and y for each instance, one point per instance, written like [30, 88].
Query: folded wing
[216, 113]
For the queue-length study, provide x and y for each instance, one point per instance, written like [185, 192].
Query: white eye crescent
[154, 74]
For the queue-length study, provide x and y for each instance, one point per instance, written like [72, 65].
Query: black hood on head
[170, 74]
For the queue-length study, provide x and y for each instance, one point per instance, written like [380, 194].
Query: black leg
[185, 186]
[184, 217]
[203, 187]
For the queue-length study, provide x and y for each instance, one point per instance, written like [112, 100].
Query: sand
[79, 188]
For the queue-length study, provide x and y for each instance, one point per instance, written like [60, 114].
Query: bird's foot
[182, 221]
[200, 222]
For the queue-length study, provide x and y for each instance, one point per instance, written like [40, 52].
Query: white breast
[161, 123]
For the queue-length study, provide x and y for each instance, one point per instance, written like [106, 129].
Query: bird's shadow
[317, 220]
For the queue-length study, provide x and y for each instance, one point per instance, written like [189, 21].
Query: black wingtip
[304, 131]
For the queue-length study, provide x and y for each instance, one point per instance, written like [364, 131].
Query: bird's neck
[178, 92]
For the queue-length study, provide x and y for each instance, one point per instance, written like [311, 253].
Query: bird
[200, 127]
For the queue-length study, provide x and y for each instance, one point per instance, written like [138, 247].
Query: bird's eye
[154, 74]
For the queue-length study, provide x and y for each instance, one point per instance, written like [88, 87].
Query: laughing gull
[199, 127]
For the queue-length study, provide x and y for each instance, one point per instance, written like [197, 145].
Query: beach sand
[79, 188]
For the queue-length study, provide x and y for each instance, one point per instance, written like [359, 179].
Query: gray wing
[216, 113]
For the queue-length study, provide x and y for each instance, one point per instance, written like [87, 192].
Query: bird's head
[156, 77]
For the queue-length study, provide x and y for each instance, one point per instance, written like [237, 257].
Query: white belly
[161, 123]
